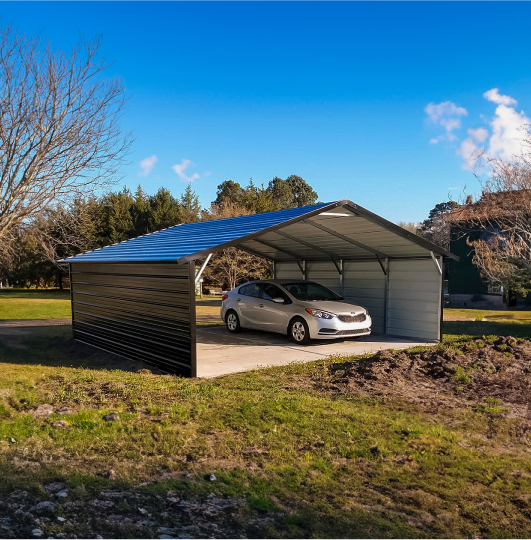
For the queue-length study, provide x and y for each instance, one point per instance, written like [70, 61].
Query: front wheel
[233, 322]
[299, 331]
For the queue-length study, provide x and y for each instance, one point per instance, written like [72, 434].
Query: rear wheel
[299, 331]
[233, 322]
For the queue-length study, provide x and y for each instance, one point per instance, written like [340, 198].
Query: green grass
[333, 465]
[35, 304]
[490, 315]
[26, 304]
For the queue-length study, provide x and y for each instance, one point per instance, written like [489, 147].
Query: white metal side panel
[287, 270]
[325, 273]
[364, 284]
[414, 302]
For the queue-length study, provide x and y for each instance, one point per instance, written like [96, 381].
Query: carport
[137, 298]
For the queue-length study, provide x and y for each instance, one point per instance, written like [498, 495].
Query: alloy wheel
[298, 331]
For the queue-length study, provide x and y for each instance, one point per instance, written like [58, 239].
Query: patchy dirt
[493, 375]
[126, 514]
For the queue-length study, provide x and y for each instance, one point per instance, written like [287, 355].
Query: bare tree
[60, 135]
[503, 213]
[231, 266]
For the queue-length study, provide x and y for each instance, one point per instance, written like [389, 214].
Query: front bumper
[335, 329]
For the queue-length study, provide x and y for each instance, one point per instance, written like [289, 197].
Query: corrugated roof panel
[315, 232]
[190, 238]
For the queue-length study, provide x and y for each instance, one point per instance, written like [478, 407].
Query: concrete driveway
[220, 353]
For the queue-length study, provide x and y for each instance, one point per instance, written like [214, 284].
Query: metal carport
[137, 298]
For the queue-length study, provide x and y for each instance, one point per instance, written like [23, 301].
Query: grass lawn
[55, 304]
[308, 462]
[35, 304]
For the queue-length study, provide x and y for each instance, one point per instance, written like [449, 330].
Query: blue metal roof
[199, 238]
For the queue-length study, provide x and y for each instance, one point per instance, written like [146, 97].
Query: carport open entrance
[137, 298]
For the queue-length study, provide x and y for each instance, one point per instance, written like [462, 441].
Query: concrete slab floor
[220, 353]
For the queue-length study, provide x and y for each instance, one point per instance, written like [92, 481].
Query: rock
[37, 533]
[19, 494]
[166, 531]
[44, 506]
[111, 417]
[65, 410]
[60, 424]
[210, 477]
[61, 519]
[43, 411]
[62, 494]
[143, 511]
[99, 537]
[111, 474]
[54, 487]
[12, 440]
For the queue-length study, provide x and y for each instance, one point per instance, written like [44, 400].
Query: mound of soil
[493, 375]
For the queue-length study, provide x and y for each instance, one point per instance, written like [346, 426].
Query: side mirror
[278, 300]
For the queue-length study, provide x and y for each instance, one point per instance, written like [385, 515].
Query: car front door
[249, 305]
[274, 316]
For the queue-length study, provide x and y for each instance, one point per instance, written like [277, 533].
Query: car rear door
[274, 316]
[249, 305]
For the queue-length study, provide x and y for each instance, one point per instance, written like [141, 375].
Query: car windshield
[308, 290]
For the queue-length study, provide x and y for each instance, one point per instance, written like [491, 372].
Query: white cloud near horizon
[505, 140]
[146, 165]
[447, 114]
[179, 169]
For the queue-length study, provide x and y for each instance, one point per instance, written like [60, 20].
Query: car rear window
[252, 289]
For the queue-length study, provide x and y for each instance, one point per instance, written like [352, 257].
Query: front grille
[352, 318]
[350, 332]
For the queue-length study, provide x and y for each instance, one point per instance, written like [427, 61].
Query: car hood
[333, 307]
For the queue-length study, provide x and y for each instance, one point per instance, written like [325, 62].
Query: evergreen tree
[190, 207]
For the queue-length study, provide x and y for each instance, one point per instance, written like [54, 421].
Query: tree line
[94, 222]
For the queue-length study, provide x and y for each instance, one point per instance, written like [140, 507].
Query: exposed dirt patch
[495, 376]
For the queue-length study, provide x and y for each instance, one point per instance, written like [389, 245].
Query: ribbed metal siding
[414, 308]
[140, 311]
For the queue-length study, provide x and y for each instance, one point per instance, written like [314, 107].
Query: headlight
[320, 314]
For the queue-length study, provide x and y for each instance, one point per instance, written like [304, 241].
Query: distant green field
[55, 304]
[34, 304]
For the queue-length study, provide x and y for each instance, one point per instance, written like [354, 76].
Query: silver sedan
[304, 310]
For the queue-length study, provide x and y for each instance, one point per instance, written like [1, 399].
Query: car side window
[253, 289]
[270, 291]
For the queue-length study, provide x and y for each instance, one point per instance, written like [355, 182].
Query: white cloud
[506, 132]
[179, 169]
[507, 125]
[147, 165]
[470, 151]
[494, 95]
[447, 114]
[479, 134]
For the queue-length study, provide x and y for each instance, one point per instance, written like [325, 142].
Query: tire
[233, 322]
[299, 331]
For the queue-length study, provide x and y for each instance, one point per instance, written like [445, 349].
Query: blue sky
[338, 93]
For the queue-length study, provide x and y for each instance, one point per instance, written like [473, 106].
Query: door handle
[261, 305]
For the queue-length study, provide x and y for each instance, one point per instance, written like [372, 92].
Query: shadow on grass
[54, 346]
[488, 328]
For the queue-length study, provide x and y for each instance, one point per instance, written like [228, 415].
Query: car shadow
[219, 335]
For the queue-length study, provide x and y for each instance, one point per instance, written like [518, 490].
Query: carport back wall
[363, 283]
[142, 311]
[405, 304]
